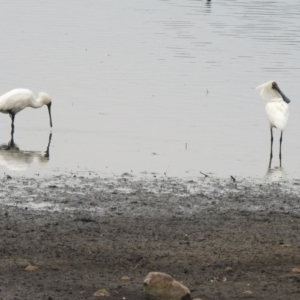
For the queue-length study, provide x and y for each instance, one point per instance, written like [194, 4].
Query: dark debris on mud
[223, 241]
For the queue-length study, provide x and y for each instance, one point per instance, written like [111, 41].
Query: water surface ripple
[163, 87]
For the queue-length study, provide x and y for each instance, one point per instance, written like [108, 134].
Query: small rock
[22, 262]
[228, 269]
[102, 293]
[296, 270]
[161, 286]
[286, 245]
[126, 278]
[248, 293]
[31, 268]
[218, 279]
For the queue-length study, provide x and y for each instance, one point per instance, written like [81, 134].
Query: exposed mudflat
[223, 240]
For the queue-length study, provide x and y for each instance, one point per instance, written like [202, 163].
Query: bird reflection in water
[275, 174]
[208, 6]
[18, 160]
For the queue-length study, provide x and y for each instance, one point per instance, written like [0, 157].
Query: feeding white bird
[277, 109]
[16, 100]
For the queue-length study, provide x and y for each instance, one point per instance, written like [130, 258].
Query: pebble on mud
[228, 269]
[218, 279]
[161, 286]
[125, 278]
[101, 293]
[248, 294]
[296, 270]
[286, 245]
[31, 268]
[22, 262]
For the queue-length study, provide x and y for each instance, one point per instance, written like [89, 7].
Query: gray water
[150, 87]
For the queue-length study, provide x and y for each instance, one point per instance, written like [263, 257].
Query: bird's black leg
[280, 148]
[12, 115]
[271, 153]
[47, 154]
[11, 142]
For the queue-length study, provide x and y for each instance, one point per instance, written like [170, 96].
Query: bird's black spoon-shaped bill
[49, 109]
[284, 97]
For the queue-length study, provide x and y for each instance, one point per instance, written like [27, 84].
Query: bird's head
[45, 98]
[276, 88]
[271, 89]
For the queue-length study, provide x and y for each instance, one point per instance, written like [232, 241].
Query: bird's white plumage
[18, 99]
[277, 113]
[277, 109]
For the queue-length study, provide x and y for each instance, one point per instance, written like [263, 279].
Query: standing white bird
[15, 100]
[277, 110]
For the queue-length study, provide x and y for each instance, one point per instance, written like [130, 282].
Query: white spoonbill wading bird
[277, 110]
[15, 100]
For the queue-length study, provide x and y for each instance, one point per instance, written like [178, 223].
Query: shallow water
[162, 87]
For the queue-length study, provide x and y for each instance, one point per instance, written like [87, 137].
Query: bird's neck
[279, 99]
[36, 103]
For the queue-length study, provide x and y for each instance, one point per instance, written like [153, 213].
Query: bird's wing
[15, 100]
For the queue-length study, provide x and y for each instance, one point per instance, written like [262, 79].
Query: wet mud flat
[222, 239]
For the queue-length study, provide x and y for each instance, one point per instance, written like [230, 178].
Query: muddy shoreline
[222, 239]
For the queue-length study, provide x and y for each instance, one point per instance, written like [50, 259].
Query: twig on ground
[204, 174]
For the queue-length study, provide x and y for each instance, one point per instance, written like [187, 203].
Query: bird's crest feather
[266, 90]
